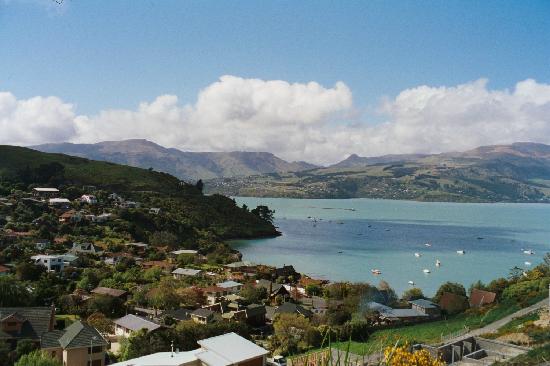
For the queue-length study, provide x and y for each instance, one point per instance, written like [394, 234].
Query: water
[385, 234]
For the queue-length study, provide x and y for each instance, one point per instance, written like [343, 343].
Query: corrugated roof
[186, 271]
[229, 284]
[162, 358]
[232, 347]
[135, 323]
[426, 304]
[202, 312]
[108, 291]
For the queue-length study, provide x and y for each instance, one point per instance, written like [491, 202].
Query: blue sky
[118, 53]
[485, 65]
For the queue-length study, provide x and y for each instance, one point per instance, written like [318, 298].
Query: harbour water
[342, 240]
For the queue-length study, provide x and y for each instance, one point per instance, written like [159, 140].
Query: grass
[427, 332]
[534, 357]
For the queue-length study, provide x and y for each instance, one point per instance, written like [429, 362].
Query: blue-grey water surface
[350, 237]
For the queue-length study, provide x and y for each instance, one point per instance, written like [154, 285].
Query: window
[12, 324]
[95, 349]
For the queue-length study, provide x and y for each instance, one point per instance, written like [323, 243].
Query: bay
[344, 239]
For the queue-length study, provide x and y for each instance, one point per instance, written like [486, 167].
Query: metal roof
[162, 358]
[186, 271]
[426, 304]
[228, 284]
[135, 323]
[233, 348]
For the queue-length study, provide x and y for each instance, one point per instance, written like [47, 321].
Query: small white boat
[411, 283]
[426, 270]
[525, 274]
[528, 252]
[428, 244]
[527, 263]
[417, 255]
[437, 262]
[376, 271]
[460, 252]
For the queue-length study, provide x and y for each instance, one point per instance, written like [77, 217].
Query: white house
[53, 263]
[179, 273]
[89, 199]
[132, 323]
[225, 350]
[231, 286]
[45, 192]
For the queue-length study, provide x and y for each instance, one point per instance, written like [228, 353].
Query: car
[277, 361]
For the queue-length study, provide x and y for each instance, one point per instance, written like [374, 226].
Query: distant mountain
[182, 164]
[518, 172]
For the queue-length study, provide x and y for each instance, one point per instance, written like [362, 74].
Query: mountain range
[185, 165]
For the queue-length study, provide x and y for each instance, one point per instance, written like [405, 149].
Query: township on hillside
[146, 288]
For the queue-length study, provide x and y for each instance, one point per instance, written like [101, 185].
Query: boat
[527, 263]
[417, 255]
[426, 270]
[428, 244]
[528, 252]
[411, 283]
[437, 262]
[460, 252]
[376, 271]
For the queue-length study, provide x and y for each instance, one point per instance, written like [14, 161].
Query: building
[132, 323]
[53, 263]
[107, 291]
[78, 344]
[70, 216]
[389, 315]
[60, 203]
[480, 298]
[154, 210]
[224, 350]
[274, 289]
[42, 244]
[89, 199]
[45, 192]
[291, 308]
[202, 316]
[231, 286]
[84, 248]
[184, 251]
[4, 271]
[426, 307]
[180, 273]
[214, 294]
[17, 323]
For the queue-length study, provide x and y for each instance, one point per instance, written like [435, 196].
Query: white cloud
[296, 121]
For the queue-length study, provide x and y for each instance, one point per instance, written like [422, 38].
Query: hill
[182, 164]
[22, 168]
[518, 172]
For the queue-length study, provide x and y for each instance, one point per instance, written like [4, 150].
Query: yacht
[428, 245]
[528, 252]
[411, 283]
[417, 255]
[437, 263]
[527, 263]
[460, 252]
[376, 271]
[426, 270]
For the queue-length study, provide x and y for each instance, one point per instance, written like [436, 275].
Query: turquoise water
[353, 236]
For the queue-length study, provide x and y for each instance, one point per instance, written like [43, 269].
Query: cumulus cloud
[297, 120]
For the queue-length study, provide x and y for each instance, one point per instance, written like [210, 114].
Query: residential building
[53, 263]
[77, 345]
[202, 316]
[60, 203]
[42, 244]
[274, 289]
[426, 307]
[214, 293]
[231, 286]
[291, 308]
[154, 210]
[480, 298]
[132, 323]
[107, 291]
[84, 248]
[179, 273]
[89, 199]
[44, 192]
[70, 216]
[17, 323]
[225, 350]
[184, 251]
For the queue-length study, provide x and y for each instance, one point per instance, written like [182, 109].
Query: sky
[306, 80]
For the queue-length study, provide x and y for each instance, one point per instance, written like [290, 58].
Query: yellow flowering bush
[401, 356]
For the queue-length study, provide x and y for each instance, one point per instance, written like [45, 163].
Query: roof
[179, 314]
[255, 309]
[108, 291]
[37, 321]
[4, 269]
[76, 335]
[240, 264]
[203, 313]
[229, 284]
[135, 323]
[45, 189]
[403, 313]
[214, 289]
[232, 348]
[375, 306]
[141, 245]
[275, 287]
[481, 297]
[186, 271]
[162, 358]
[184, 251]
[58, 200]
[423, 303]
[291, 308]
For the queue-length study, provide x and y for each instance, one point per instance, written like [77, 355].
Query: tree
[24, 346]
[404, 356]
[164, 295]
[191, 297]
[37, 358]
[264, 213]
[101, 323]
[290, 333]
[199, 185]
[26, 271]
[13, 292]
[452, 287]
[253, 294]
[413, 294]
[162, 238]
[105, 304]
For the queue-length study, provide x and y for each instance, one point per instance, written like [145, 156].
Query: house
[479, 298]
[202, 316]
[89, 199]
[214, 293]
[69, 259]
[165, 266]
[320, 305]
[231, 286]
[154, 210]
[17, 323]
[180, 273]
[104, 217]
[178, 315]
[78, 344]
[426, 307]
[70, 216]
[4, 271]
[255, 315]
[291, 308]
[224, 350]
[274, 289]
[107, 291]
[390, 315]
[84, 248]
[453, 303]
[132, 323]
[60, 203]
[42, 244]
[184, 251]
[45, 192]
[115, 197]
[129, 204]
[286, 272]
[114, 258]
[139, 247]
[53, 263]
